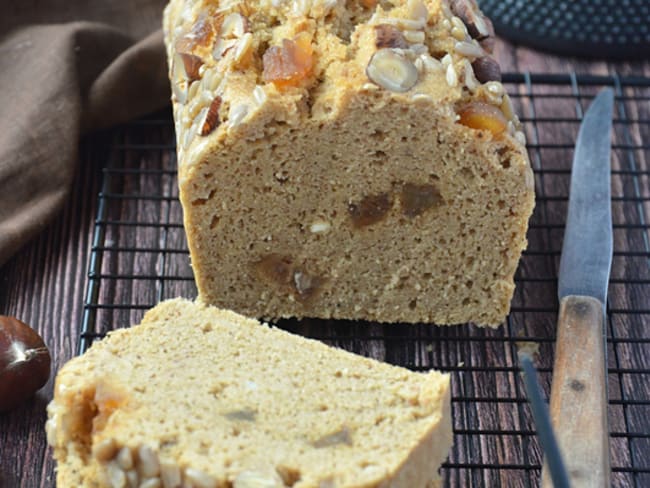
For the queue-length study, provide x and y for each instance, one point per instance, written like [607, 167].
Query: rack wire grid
[139, 257]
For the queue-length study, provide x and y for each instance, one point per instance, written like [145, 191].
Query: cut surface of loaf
[355, 159]
[199, 397]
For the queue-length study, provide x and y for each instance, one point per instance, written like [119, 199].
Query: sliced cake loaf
[354, 159]
[200, 397]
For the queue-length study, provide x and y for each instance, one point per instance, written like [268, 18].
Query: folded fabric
[67, 67]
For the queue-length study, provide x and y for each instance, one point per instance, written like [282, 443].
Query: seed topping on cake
[469, 49]
[255, 479]
[289, 64]
[478, 26]
[234, 26]
[486, 69]
[199, 479]
[208, 46]
[190, 64]
[210, 120]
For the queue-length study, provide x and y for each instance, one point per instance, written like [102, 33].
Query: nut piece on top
[355, 160]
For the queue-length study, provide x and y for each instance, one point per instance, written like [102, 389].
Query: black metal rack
[139, 257]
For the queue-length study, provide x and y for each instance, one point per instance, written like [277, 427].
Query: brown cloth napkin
[67, 67]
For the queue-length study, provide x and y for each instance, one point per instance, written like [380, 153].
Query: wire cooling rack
[139, 257]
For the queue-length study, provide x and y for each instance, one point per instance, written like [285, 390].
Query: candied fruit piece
[275, 267]
[280, 270]
[417, 198]
[369, 3]
[370, 210]
[289, 64]
[483, 116]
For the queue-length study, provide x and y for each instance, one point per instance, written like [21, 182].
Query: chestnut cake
[353, 159]
[200, 397]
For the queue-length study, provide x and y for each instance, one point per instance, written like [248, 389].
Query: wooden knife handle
[579, 394]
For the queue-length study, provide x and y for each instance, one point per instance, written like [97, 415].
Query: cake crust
[356, 160]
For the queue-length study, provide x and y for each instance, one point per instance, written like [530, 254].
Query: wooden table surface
[45, 283]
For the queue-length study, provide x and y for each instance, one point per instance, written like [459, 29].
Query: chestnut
[24, 362]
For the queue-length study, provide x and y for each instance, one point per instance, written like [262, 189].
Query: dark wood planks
[44, 286]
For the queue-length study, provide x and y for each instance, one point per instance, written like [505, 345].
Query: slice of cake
[202, 398]
[355, 159]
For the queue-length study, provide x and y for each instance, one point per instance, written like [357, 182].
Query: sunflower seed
[431, 64]
[237, 114]
[470, 80]
[199, 479]
[234, 25]
[414, 37]
[259, 95]
[252, 479]
[406, 23]
[151, 483]
[148, 462]
[105, 450]
[416, 10]
[451, 76]
[469, 49]
[116, 476]
[132, 478]
[125, 458]
[243, 47]
[170, 474]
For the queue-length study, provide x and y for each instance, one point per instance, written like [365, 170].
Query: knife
[579, 391]
[553, 458]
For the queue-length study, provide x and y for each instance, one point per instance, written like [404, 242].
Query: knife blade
[579, 390]
[587, 247]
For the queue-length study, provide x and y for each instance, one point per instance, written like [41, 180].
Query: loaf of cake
[198, 397]
[353, 159]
